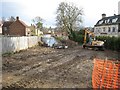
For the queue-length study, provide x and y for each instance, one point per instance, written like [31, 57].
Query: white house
[108, 26]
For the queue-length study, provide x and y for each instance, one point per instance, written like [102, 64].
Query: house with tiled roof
[15, 28]
[108, 26]
[6, 28]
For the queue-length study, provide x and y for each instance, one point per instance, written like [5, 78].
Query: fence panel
[32, 41]
[7, 44]
[13, 44]
[25, 44]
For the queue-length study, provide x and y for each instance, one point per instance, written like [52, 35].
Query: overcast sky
[28, 9]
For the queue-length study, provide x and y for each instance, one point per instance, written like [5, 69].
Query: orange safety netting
[106, 74]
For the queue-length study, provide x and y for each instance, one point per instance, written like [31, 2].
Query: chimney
[119, 8]
[103, 15]
[17, 18]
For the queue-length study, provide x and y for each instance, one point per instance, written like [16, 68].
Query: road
[42, 67]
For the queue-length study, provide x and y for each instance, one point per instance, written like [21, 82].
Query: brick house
[5, 27]
[17, 28]
[60, 33]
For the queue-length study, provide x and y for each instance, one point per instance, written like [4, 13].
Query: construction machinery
[94, 44]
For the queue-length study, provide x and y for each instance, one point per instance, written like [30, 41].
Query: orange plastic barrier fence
[106, 74]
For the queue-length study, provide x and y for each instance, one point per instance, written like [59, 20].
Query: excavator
[94, 44]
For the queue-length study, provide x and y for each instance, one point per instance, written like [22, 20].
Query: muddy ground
[42, 67]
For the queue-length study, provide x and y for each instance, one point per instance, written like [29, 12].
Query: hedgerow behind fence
[112, 43]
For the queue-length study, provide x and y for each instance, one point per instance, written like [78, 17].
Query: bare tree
[11, 18]
[68, 17]
[38, 21]
[3, 19]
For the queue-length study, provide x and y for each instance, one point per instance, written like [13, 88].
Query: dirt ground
[43, 67]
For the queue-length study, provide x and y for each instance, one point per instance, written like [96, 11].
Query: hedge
[77, 36]
[112, 43]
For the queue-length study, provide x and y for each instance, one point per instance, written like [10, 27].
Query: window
[109, 29]
[99, 30]
[118, 27]
[108, 20]
[100, 22]
[105, 21]
[5, 28]
[118, 30]
[113, 29]
[114, 20]
[103, 29]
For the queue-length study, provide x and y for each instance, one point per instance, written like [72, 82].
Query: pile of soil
[69, 43]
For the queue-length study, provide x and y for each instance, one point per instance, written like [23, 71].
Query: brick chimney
[17, 18]
[103, 15]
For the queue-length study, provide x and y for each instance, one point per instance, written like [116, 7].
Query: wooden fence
[13, 44]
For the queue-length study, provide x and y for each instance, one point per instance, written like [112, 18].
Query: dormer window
[105, 21]
[108, 20]
[100, 22]
[114, 20]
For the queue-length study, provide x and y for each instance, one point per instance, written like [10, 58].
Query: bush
[112, 43]
[77, 36]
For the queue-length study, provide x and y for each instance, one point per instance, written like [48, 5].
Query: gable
[17, 24]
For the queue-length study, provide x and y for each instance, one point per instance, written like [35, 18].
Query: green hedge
[77, 36]
[112, 43]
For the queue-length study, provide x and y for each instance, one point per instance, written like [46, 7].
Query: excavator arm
[87, 32]
[93, 44]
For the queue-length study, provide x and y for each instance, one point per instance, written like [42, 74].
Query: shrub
[112, 43]
[77, 36]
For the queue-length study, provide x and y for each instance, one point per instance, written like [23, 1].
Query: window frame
[113, 29]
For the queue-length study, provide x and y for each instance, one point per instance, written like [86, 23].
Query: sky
[46, 9]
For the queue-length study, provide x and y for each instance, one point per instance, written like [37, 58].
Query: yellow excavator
[94, 44]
